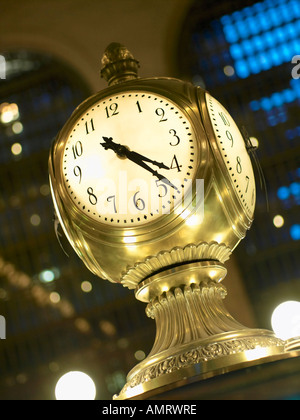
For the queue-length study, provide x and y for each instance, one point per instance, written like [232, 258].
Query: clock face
[234, 153]
[129, 159]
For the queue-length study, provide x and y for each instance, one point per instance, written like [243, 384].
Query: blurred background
[59, 316]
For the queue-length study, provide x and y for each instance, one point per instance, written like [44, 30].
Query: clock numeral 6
[138, 202]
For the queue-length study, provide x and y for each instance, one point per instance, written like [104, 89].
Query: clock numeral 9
[229, 136]
[77, 172]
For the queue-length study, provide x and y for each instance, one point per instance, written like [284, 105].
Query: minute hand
[137, 157]
[139, 160]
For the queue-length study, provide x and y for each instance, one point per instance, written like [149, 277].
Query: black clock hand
[122, 151]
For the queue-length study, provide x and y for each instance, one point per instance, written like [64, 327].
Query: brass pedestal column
[196, 337]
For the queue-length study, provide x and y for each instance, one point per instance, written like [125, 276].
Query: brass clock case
[98, 244]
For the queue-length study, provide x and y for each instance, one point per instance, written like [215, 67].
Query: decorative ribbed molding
[203, 251]
[202, 354]
[193, 327]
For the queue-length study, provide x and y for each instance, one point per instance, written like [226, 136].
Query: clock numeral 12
[111, 110]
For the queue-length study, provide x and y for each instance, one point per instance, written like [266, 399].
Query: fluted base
[196, 337]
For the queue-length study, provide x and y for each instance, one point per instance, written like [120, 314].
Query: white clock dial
[130, 158]
[232, 147]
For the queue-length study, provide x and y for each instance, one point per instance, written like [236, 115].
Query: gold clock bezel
[232, 202]
[163, 225]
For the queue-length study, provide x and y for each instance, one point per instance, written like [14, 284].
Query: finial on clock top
[118, 64]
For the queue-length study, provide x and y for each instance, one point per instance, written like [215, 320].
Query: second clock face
[129, 159]
[233, 151]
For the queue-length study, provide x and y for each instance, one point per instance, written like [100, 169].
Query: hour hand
[109, 144]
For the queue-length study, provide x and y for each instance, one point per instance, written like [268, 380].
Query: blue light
[230, 34]
[247, 47]
[258, 43]
[236, 51]
[295, 188]
[269, 28]
[276, 99]
[242, 69]
[266, 104]
[254, 105]
[283, 193]
[254, 64]
[295, 232]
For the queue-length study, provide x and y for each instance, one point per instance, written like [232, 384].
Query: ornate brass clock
[154, 188]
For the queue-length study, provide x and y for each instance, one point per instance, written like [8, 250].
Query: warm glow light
[286, 320]
[139, 355]
[54, 297]
[254, 142]
[35, 220]
[8, 113]
[16, 149]
[17, 127]
[278, 221]
[256, 353]
[75, 385]
[86, 286]
[194, 220]
[129, 239]
[229, 71]
[46, 276]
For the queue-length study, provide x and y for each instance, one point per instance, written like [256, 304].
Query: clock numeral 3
[177, 141]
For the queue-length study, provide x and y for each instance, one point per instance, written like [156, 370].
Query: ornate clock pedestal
[196, 337]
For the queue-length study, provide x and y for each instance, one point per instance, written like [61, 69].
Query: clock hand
[122, 151]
